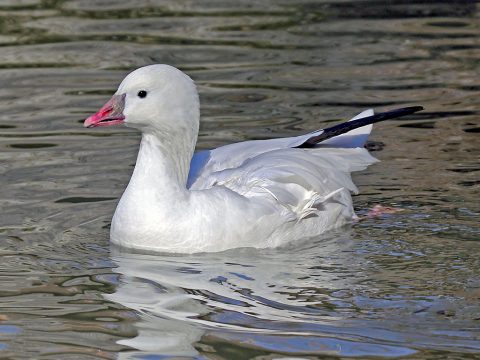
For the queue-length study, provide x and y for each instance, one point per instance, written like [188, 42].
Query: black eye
[142, 94]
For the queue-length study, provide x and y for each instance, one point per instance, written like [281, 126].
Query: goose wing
[351, 134]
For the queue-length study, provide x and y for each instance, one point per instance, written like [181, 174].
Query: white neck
[156, 195]
[162, 165]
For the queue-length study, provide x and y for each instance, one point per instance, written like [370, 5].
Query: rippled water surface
[400, 285]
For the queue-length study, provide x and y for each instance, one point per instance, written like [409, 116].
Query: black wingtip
[354, 124]
[399, 112]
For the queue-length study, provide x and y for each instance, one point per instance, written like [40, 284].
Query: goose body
[262, 193]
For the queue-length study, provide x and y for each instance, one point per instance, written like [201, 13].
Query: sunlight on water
[400, 285]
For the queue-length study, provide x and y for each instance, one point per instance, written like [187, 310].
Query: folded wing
[206, 162]
[301, 174]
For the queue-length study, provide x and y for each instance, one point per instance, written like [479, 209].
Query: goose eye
[142, 94]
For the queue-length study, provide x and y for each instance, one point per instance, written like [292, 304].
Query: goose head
[158, 99]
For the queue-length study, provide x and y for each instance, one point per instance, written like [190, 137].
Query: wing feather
[296, 173]
[206, 162]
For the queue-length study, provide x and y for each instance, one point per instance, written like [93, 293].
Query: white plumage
[255, 193]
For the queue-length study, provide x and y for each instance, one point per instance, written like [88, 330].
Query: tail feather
[354, 138]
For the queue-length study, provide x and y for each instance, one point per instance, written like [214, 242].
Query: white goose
[262, 193]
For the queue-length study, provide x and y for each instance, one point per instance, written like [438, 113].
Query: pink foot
[379, 210]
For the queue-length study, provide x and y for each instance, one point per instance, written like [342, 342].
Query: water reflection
[312, 299]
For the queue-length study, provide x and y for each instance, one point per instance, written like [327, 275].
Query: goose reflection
[299, 298]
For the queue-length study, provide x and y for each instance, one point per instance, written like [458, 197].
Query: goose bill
[110, 114]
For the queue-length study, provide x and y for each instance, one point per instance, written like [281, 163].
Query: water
[402, 285]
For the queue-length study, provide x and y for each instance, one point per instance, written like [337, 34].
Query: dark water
[400, 285]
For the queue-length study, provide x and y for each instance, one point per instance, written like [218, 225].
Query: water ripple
[401, 284]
